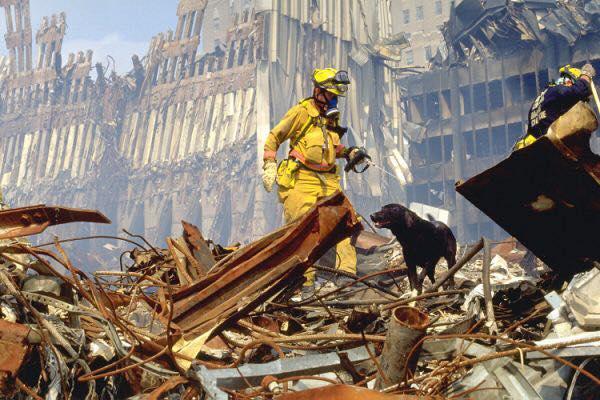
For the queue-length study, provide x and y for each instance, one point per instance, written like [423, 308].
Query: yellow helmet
[332, 80]
[570, 72]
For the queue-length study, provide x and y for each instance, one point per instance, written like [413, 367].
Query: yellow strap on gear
[526, 141]
[305, 127]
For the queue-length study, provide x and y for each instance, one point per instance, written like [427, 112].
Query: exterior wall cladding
[180, 136]
[468, 116]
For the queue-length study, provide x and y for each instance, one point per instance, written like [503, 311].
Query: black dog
[423, 242]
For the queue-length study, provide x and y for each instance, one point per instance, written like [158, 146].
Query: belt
[296, 155]
[304, 167]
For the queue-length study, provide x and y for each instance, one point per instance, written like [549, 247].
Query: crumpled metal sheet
[547, 195]
[258, 271]
[238, 378]
[25, 221]
[478, 28]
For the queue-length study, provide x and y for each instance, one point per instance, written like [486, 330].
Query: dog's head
[393, 216]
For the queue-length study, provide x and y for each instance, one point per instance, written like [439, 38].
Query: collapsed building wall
[465, 116]
[180, 136]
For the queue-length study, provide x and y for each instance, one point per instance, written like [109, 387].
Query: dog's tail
[430, 217]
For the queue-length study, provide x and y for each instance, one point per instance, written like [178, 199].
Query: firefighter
[310, 173]
[573, 85]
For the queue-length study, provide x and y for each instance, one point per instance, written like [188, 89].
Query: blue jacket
[554, 102]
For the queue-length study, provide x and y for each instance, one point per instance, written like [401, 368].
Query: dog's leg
[431, 272]
[419, 281]
[422, 274]
[411, 270]
[451, 260]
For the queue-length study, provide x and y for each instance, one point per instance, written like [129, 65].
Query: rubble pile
[197, 320]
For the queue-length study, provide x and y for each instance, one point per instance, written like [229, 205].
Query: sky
[116, 27]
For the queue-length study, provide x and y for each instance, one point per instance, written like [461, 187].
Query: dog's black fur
[423, 242]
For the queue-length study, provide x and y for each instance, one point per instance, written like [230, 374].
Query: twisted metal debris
[169, 326]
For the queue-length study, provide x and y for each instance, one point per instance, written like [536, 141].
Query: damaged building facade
[464, 116]
[180, 136]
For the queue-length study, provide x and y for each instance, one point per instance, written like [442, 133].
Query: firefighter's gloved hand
[357, 156]
[353, 152]
[269, 174]
[589, 70]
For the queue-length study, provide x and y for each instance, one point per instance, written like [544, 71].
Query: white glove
[589, 70]
[269, 174]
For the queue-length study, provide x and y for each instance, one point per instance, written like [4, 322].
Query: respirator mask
[332, 108]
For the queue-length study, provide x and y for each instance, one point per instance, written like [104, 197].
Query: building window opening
[529, 86]
[465, 94]
[469, 145]
[418, 154]
[408, 55]
[433, 106]
[435, 150]
[418, 109]
[446, 104]
[496, 96]
[419, 13]
[515, 132]
[406, 16]
[513, 88]
[480, 101]
[482, 139]
[543, 79]
[499, 146]
[448, 142]
[436, 194]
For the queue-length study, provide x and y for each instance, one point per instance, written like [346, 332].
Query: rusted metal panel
[196, 242]
[261, 269]
[12, 347]
[25, 221]
[347, 392]
[12, 332]
[547, 195]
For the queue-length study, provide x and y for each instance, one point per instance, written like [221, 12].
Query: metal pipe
[487, 287]
[399, 358]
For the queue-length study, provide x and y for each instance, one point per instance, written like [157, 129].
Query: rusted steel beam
[258, 271]
[487, 286]
[26, 221]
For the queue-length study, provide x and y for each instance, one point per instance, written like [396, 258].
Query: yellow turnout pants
[308, 187]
